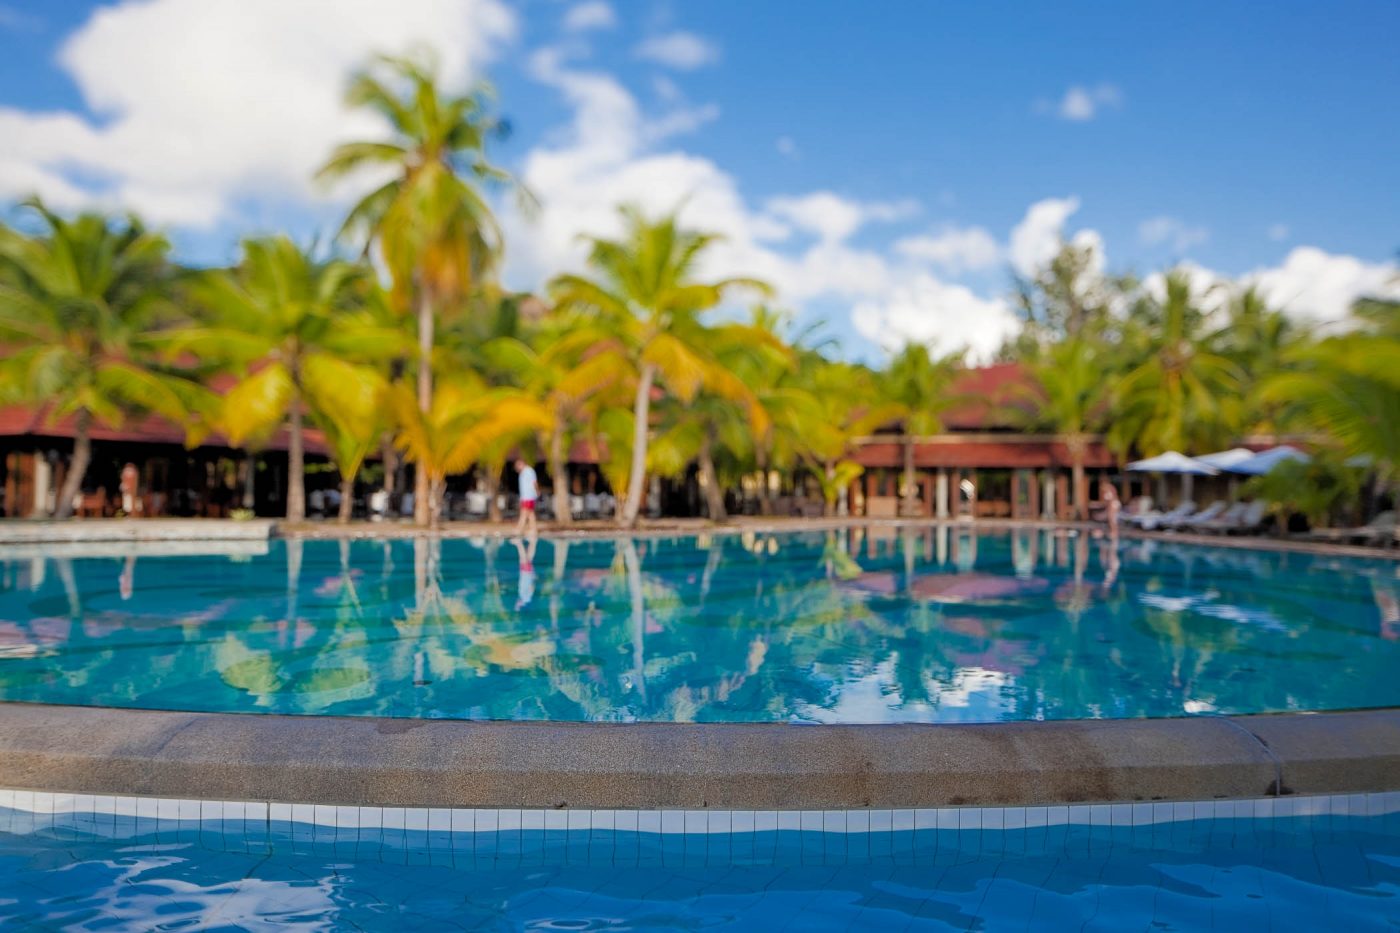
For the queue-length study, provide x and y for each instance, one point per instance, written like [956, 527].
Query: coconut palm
[646, 290]
[432, 224]
[843, 403]
[291, 329]
[83, 315]
[1071, 394]
[566, 363]
[467, 420]
[920, 385]
[1179, 392]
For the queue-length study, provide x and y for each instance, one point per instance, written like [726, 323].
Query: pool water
[861, 625]
[1332, 864]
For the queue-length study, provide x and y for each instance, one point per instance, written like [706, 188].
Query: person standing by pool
[1112, 508]
[529, 495]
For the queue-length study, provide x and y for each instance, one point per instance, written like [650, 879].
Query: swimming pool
[860, 625]
[1319, 863]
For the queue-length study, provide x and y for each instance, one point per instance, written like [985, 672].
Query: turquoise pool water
[1309, 864]
[860, 625]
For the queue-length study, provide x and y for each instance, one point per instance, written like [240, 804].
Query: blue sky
[888, 165]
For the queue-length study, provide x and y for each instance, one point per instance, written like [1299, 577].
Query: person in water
[529, 496]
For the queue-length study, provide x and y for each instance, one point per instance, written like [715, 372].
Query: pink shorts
[527, 505]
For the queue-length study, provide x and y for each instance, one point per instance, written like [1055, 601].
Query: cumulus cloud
[927, 310]
[592, 14]
[1082, 103]
[1172, 233]
[683, 51]
[954, 249]
[1038, 237]
[198, 105]
[1318, 286]
[613, 152]
[834, 218]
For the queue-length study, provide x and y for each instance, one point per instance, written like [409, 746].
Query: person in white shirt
[529, 495]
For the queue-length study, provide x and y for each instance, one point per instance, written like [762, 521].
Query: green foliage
[1323, 487]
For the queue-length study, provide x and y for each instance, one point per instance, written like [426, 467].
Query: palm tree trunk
[714, 496]
[910, 492]
[765, 497]
[390, 458]
[437, 488]
[347, 499]
[492, 482]
[296, 465]
[1080, 482]
[559, 472]
[77, 469]
[422, 482]
[636, 480]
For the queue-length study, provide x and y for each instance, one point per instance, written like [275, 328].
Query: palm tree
[840, 403]
[467, 419]
[564, 364]
[1073, 389]
[920, 385]
[1179, 393]
[1347, 388]
[84, 308]
[289, 326]
[434, 228]
[646, 291]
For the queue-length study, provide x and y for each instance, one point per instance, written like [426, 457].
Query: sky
[888, 167]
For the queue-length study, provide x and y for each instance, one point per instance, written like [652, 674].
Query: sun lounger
[1254, 520]
[1231, 519]
[1153, 520]
[1377, 530]
[1207, 514]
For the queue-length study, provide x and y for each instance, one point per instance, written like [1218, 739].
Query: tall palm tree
[841, 403]
[467, 418]
[564, 363]
[646, 289]
[84, 308]
[1179, 392]
[432, 224]
[920, 385]
[292, 330]
[725, 419]
[1072, 393]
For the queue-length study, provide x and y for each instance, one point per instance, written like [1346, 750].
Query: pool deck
[448, 763]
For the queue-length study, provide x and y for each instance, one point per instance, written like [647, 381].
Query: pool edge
[365, 761]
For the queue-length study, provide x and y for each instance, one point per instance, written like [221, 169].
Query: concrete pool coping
[366, 761]
[28, 538]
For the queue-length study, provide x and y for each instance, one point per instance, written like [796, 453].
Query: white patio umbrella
[1226, 458]
[1173, 462]
[1266, 460]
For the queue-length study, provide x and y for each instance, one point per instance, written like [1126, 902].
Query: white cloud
[946, 316]
[684, 51]
[1082, 103]
[1038, 237]
[612, 153]
[256, 107]
[1278, 232]
[1175, 234]
[834, 218]
[592, 14]
[954, 249]
[1314, 285]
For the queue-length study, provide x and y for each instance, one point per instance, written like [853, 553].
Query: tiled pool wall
[493, 838]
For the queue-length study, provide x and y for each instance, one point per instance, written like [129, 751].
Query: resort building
[983, 465]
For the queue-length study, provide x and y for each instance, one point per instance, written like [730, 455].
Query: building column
[940, 495]
[43, 477]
